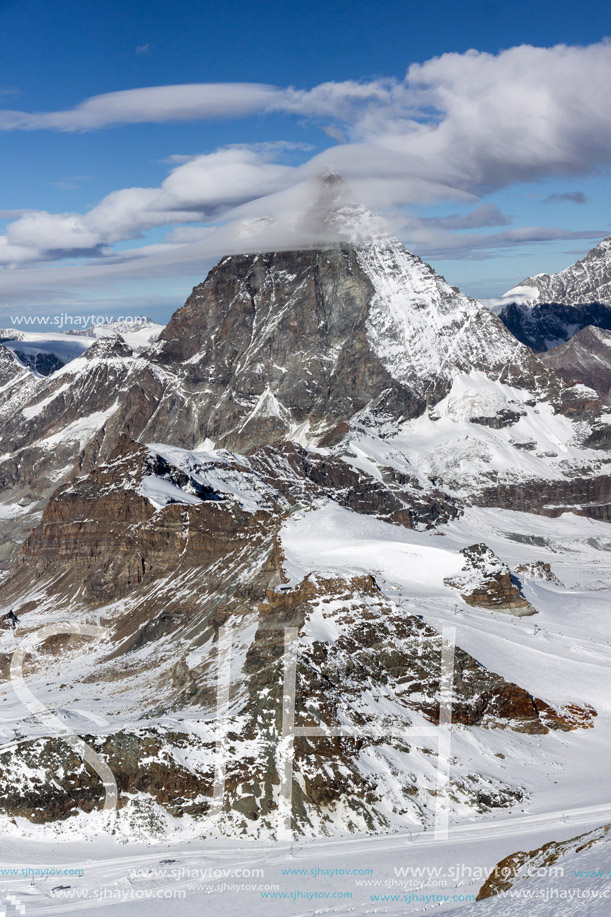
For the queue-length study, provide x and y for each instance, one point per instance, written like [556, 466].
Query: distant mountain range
[44, 352]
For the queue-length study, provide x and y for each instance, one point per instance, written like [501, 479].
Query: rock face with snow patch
[522, 866]
[486, 582]
[101, 529]
[101, 532]
[585, 359]
[350, 377]
[10, 369]
[549, 309]
[47, 423]
[538, 570]
[353, 675]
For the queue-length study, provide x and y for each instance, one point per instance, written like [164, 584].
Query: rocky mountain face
[156, 491]
[290, 346]
[41, 363]
[521, 866]
[585, 359]
[487, 582]
[177, 559]
[10, 369]
[546, 326]
[48, 422]
[293, 345]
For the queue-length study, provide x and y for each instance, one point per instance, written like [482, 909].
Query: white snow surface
[422, 329]
[564, 658]
[227, 474]
[447, 446]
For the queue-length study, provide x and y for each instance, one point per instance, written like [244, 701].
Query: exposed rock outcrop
[521, 866]
[487, 582]
[101, 532]
[585, 359]
[363, 670]
[585, 496]
[538, 569]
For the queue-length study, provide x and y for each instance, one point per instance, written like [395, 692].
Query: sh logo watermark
[11, 905]
[56, 726]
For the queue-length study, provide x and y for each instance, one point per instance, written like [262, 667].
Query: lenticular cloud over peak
[319, 211]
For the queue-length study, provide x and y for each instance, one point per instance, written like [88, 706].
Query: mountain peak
[107, 347]
[336, 215]
[320, 212]
[586, 282]
[291, 344]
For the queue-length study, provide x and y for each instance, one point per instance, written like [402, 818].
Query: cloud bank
[457, 128]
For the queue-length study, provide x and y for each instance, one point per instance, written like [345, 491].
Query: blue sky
[492, 165]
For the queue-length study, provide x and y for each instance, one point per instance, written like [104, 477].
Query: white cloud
[193, 191]
[223, 179]
[50, 231]
[516, 115]
[433, 242]
[158, 104]
[457, 127]
[470, 121]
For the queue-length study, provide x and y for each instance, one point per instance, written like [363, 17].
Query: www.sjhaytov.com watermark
[61, 320]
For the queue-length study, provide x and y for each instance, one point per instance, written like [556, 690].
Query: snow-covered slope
[483, 433]
[423, 330]
[137, 333]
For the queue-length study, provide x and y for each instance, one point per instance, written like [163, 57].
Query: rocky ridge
[487, 582]
[586, 281]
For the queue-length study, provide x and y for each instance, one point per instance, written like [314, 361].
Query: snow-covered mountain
[291, 344]
[546, 310]
[43, 352]
[586, 281]
[335, 441]
[137, 332]
[322, 348]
